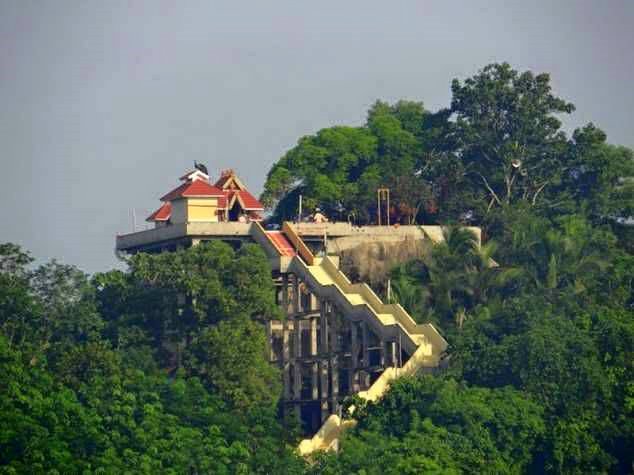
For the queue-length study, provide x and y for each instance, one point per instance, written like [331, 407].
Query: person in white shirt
[318, 217]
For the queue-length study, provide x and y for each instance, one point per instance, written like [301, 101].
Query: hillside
[162, 368]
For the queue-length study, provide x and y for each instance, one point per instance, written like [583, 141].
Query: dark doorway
[235, 211]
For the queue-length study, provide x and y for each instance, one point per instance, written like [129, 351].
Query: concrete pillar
[365, 359]
[323, 327]
[323, 389]
[297, 379]
[354, 358]
[286, 376]
[295, 294]
[313, 353]
[323, 352]
[334, 363]
[393, 355]
[313, 337]
[285, 293]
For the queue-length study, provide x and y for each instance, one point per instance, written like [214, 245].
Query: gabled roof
[193, 189]
[161, 214]
[248, 201]
[227, 177]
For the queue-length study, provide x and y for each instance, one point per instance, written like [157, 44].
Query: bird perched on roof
[201, 167]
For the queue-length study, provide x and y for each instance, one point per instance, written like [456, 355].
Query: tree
[231, 358]
[600, 177]
[456, 277]
[168, 299]
[341, 168]
[441, 426]
[19, 311]
[508, 136]
[84, 386]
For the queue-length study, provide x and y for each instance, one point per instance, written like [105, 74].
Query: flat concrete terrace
[344, 233]
[183, 233]
[316, 231]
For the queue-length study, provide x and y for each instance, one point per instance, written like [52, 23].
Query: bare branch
[538, 192]
[493, 194]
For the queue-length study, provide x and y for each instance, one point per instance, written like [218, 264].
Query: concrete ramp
[281, 243]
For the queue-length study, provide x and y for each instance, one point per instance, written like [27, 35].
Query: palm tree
[407, 291]
[564, 258]
[448, 284]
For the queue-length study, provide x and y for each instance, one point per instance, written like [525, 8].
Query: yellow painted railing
[324, 278]
[300, 245]
[327, 437]
[260, 236]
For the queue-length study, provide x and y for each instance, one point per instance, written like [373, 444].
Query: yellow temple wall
[202, 209]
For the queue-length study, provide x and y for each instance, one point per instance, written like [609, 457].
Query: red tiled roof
[161, 214]
[222, 180]
[196, 188]
[248, 201]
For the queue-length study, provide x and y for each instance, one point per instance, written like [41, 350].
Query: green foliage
[168, 299]
[340, 168]
[440, 426]
[499, 144]
[451, 282]
[230, 356]
[86, 386]
[509, 138]
[543, 314]
[162, 368]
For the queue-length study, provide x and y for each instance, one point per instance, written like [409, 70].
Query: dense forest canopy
[499, 143]
[162, 368]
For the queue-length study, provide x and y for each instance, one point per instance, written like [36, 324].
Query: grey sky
[105, 103]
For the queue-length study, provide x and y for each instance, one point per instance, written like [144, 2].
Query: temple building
[197, 200]
[338, 338]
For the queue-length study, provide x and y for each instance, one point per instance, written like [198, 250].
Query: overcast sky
[103, 104]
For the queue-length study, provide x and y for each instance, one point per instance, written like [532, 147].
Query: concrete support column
[297, 344]
[286, 376]
[313, 353]
[296, 300]
[354, 358]
[334, 363]
[365, 361]
[285, 293]
[393, 356]
[323, 327]
[323, 361]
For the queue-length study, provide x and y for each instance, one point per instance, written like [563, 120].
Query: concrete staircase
[358, 302]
